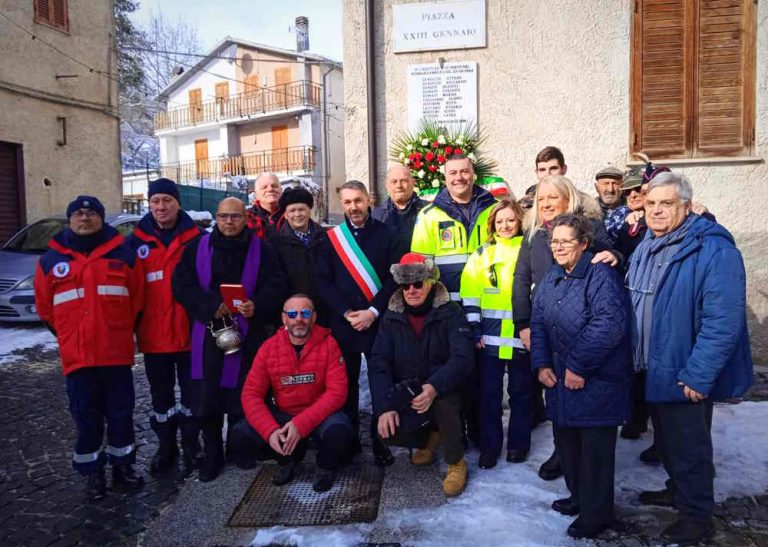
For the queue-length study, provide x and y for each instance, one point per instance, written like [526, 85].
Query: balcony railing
[259, 101]
[281, 160]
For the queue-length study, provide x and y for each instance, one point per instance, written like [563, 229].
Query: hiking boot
[650, 456]
[284, 473]
[426, 455]
[323, 480]
[487, 461]
[551, 469]
[96, 485]
[566, 506]
[660, 498]
[517, 456]
[688, 531]
[456, 478]
[164, 459]
[124, 477]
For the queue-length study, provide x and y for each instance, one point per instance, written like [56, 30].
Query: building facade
[59, 128]
[247, 108]
[685, 81]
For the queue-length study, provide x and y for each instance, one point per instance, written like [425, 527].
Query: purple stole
[230, 371]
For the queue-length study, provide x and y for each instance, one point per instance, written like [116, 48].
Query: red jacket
[164, 324]
[91, 302]
[310, 389]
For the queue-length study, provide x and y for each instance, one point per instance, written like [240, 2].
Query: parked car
[19, 257]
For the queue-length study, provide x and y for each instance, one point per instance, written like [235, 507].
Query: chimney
[302, 33]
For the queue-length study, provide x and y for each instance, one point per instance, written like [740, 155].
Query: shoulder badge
[61, 269]
[143, 251]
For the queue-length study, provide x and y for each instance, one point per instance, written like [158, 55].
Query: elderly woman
[486, 293]
[580, 348]
[555, 195]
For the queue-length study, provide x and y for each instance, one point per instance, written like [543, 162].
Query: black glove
[404, 392]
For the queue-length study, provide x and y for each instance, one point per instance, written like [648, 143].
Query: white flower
[410, 147]
[402, 155]
[442, 169]
[435, 183]
[441, 139]
[407, 162]
[472, 157]
[459, 140]
[424, 142]
[421, 173]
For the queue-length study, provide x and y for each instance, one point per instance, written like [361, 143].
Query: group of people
[617, 308]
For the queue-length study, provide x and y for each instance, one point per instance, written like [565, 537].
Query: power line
[230, 58]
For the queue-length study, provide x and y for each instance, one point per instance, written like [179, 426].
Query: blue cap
[163, 186]
[86, 202]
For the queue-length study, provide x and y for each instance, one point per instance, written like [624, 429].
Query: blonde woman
[486, 293]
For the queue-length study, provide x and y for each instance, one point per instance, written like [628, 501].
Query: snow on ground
[509, 505]
[16, 339]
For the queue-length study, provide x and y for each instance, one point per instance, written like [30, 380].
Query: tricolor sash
[354, 260]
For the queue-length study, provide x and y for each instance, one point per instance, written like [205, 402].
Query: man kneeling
[303, 366]
[423, 353]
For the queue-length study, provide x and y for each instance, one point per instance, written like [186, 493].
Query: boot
[211, 461]
[566, 506]
[650, 456]
[551, 469]
[285, 472]
[96, 485]
[190, 441]
[578, 529]
[125, 478]
[426, 455]
[456, 479]
[688, 531]
[517, 456]
[323, 480]
[487, 461]
[660, 498]
[164, 459]
[632, 431]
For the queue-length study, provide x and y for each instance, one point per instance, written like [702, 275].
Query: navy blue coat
[401, 222]
[580, 321]
[339, 291]
[699, 329]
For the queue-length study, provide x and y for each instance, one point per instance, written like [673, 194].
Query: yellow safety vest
[486, 293]
[445, 239]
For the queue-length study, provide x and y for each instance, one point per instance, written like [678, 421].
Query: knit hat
[295, 195]
[652, 170]
[414, 267]
[163, 186]
[609, 172]
[86, 202]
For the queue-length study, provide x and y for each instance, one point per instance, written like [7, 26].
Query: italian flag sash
[354, 260]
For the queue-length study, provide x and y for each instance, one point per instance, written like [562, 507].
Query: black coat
[339, 291]
[401, 222]
[444, 356]
[535, 260]
[297, 263]
[229, 254]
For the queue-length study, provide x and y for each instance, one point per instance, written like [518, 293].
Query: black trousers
[446, 413]
[588, 457]
[684, 441]
[640, 410]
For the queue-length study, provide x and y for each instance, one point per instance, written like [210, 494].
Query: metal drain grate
[354, 498]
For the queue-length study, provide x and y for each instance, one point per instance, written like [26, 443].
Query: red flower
[432, 168]
[435, 144]
[411, 156]
[448, 150]
[417, 164]
[440, 159]
[458, 151]
[417, 155]
[429, 156]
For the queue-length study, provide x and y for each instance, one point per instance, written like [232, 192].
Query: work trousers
[163, 372]
[334, 440]
[684, 441]
[99, 395]
[520, 390]
[588, 458]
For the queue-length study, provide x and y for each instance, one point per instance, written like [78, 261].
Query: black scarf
[425, 307]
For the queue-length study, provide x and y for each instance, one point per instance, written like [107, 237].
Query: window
[52, 13]
[693, 78]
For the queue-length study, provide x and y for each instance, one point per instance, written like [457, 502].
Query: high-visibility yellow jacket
[440, 233]
[486, 293]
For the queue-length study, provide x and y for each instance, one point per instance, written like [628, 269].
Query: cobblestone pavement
[42, 500]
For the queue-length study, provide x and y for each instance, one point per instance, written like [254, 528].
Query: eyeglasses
[85, 213]
[230, 216]
[306, 313]
[415, 285]
[564, 243]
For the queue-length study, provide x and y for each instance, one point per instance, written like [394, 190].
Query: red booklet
[233, 296]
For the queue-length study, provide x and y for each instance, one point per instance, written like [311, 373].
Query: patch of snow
[15, 339]
[510, 505]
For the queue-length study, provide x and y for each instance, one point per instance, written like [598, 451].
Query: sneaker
[566, 506]
[486, 461]
[517, 456]
[650, 456]
[551, 469]
[125, 477]
[688, 531]
[456, 479]
[324, 479]
[660, 498]
[96, 485]
[284, 473]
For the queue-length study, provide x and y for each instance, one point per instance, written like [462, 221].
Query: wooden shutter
[725, 78]
[195, 104]
[53, 13]
[252, 84]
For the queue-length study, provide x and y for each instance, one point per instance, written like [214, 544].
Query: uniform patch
[61, 269]
[115, 265]
[297, 379]
[341, 360]
[446, 235]
[143, 251]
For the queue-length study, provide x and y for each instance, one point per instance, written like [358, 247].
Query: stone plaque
[430, 26]
[446, 95]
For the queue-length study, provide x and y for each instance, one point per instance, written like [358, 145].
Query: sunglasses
[415, 285]
[306, 313]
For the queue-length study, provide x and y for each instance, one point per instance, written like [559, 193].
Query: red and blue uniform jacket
[164, 323]
[309, 387]
[90, 301]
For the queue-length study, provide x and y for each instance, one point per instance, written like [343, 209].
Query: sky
[263, 21]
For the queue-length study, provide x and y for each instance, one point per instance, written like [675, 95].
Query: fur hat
[414, 267]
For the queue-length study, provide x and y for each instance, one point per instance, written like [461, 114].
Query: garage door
[11, 215]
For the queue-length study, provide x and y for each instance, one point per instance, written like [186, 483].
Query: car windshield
[36, 237]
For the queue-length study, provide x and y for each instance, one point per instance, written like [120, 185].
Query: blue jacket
[401, 222]
[580, 321]
[698, 328]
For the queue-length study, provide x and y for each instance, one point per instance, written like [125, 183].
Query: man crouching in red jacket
[303, 366]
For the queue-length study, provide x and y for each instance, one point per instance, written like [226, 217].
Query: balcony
[296, 159]
[263, 100]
